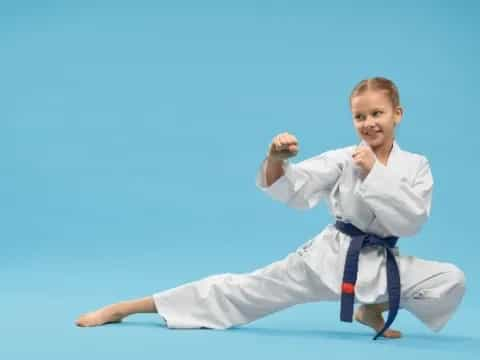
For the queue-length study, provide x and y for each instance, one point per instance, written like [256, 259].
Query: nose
[369, 123]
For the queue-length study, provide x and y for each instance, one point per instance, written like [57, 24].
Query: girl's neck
[383, 151]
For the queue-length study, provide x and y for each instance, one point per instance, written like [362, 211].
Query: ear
[398, 115]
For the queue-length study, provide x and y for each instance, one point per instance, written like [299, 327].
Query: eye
[377, 112]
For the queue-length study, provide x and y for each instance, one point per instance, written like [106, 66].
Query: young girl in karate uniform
[376, 186]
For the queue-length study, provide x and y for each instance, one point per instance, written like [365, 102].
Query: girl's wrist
[271, 159]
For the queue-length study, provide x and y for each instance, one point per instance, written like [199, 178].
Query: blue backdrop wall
[131, 133]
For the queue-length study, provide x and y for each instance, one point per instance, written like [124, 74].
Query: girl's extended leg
[116, 312]
[223, 300]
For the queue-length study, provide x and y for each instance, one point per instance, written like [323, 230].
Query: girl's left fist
[365, 158]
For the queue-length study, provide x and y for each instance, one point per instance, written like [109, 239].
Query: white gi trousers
[431, 290]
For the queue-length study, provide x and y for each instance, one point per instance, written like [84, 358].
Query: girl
[375, 188]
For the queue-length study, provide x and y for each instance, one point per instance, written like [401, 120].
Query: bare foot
[372, 317]
[108, 314]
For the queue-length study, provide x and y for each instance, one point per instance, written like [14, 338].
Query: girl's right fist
[283, 146]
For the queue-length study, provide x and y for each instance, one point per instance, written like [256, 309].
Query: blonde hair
[379, 84]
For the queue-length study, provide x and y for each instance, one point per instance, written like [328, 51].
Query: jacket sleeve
[303, 184]
[402, 208]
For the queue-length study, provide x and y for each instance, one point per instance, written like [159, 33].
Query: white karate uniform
[391, 200]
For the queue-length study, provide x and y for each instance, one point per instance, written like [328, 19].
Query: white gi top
[391, 200]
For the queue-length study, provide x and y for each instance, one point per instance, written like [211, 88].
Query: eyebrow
[373, 110]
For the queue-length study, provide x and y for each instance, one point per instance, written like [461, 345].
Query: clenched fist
[283, 146]
[364, 158]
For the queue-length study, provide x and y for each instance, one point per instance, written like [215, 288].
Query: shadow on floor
[453, 343]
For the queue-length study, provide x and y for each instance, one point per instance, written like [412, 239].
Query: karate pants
[431, 292]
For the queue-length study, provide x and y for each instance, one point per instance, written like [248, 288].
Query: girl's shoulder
[413, 157]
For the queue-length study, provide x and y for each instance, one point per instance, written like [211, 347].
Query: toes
[83, 320]
[394, 334]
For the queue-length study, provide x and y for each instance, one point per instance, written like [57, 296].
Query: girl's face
[374, 117]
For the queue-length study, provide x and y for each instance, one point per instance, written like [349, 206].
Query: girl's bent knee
[457, 277]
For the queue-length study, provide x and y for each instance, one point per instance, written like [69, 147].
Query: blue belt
[359, 240]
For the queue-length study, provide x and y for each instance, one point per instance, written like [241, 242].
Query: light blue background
[131, 133]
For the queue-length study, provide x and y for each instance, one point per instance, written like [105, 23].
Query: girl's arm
[402, 208]
[304, 184]
[273, 170]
